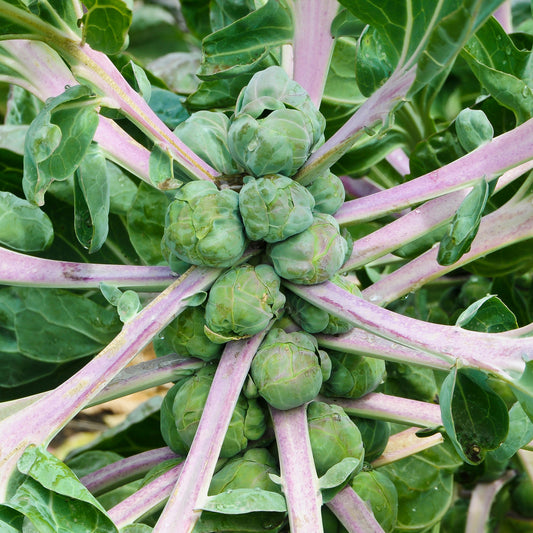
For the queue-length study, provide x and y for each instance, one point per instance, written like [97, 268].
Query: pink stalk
[497, 354]
[126, 470]
[502, 153]
[145, 499]
[39, 422]
[313, 44]
[399, 160]
[298, 474]
[21, 269]
[353, 513]
[504, 16]
[509, 224]
[184, 506]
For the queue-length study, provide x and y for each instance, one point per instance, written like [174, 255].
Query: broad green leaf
[162, 169]
[122, 189]
[73, 325]
[105, 24]
[23, 226]
[403, 33]
[23, 106]
[58, 13]
[239, 501]
[54, 500]
[503, 70]
[57, 140]
[464, 226]
[10, 520]
[260, 521]
[489, 315]
[168, 107]
[336, 478]
[91, 200]
[224, 12]
[196, 15]
[12, 138]
[411, 381]
[239, 47]
[146, 223]
[474, 416]
[473, 129]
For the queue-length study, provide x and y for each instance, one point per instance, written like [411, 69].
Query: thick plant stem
[507, 225]
[21, 269]
[353, 513]
[313, 44]
[126, 470]
[502, 153]
[39, 422]
[184, 506]
[298, 474]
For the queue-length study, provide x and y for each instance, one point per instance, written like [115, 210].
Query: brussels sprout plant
[319, 215]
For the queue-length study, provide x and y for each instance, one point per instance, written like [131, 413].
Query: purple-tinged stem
[125, 470]
[21, 269]
[358, 187]
[495, 354]
[416, 223]
[353, 513]
[399, 160]
[145, 499]
[313, 44]
[361, 342]
[98, 70]
[502, 153]
[379, 406]
[504, 16]
[40, 422]
[184, 506]
[298, 474]
[509, 224]
[372, 111]
[481, 501]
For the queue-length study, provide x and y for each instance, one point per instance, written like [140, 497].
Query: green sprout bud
[247, 421]
[186, 336]
[247, 472]
[379, 492]
[206, 134]
[333, 436]
[272, 89]
[353, 376]
[328, 192]
[274, 208]
[375, 434]
[242, 302]
[312, 256]
[169, 430]
[277, 144]
[288, 368]
[203, 225]
[315, 320]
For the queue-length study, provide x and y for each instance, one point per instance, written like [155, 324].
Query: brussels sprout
[274, 208]
[333, 436]
[247, 472]
[272, 89]
[277, 144]
[473, 129]
[522, 497]
[375, 435]
[312, 256]
[242, 302]
[169, 430]
[353, 376]
[379, 491]
[287, 368]
[185, 335]
[315, 320]
[247, 421]
[203, 225]
[206, 134]
[328, 192]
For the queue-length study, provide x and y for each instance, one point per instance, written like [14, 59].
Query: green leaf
[13, 14]
[136, 528]
[502, 69]
[23, 226]
[168, 107]
[237, 48]
[72, 325]
[224, 12]
[523, 389]
[404, 33]
[489, 315]
[57, 140]
[196, 15]
[239, 501]
[10, 520]
[162, 169]
[464, 225]
[23, 107]
[105, 24]
[91, 200]
[57, 13]
[337, 476]
[474, 416]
